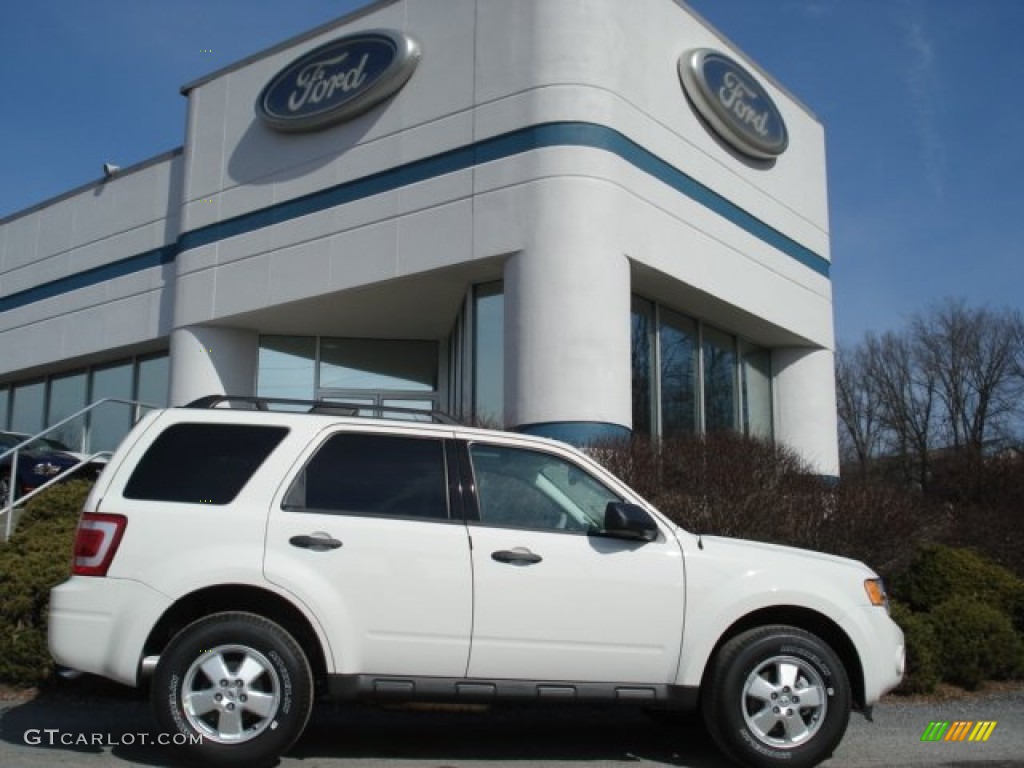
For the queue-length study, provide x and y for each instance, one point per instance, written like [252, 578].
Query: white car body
[425, 601]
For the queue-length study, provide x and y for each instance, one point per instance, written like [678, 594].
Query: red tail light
[96, 543]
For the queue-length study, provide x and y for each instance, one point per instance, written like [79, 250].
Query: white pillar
[567, 303]
[805, 406]
[209, 360]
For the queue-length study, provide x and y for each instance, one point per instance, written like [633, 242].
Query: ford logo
[338, 81]
[733, 103]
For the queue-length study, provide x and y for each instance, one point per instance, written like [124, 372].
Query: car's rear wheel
[777, 696]
[232, 689]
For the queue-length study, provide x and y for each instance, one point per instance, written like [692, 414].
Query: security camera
[110, 170]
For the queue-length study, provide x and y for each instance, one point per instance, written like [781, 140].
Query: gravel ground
[119, 723]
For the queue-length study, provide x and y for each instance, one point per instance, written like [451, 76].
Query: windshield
[43, 446]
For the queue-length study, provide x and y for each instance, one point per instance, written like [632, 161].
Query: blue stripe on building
[506, 145]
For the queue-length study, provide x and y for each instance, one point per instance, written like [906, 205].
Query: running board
[475, 690]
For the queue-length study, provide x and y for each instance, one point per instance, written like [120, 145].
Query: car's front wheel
[776, 696]
[232, 689]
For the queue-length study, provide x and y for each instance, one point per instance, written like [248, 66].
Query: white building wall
[579, 225]
[95, 228]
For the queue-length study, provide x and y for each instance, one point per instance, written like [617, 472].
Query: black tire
[777, 695]
[251, 715]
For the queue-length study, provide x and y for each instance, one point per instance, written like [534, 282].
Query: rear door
[554, 599]
[363, 535]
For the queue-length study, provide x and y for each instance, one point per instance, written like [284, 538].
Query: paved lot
[104, 731]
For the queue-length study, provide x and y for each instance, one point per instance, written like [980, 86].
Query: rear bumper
[100, 625]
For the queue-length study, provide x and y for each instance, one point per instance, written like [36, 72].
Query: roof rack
[323, 407]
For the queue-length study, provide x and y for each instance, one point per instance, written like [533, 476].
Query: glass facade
[27, 407]
[677, 342]
[756, 390]
[152, 377]
[287, 367]
[378, 364]
[719, 362]
[377, 373]
[30, 407]
[68, 395]
[689, 377]
[110, 421]
[489, 353]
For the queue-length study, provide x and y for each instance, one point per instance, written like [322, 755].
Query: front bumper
[100, 625]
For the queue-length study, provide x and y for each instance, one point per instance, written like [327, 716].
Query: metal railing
[12, 501]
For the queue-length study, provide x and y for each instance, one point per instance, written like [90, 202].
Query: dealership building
[574, 219]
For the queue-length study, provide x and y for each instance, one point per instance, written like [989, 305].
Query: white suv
[246, 561]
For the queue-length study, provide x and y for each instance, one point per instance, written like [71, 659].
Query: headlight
[876, 593]
[46, 469]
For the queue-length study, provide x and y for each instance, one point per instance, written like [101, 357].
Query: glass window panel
[418, 405]
[381, 364]
[756, 372]
[489, 354]
[5, 395]
[642, 364]
[719, 359]
[531, 489]
[67, 396]
[380, 475]
[110, 422]
[153, 381]
[287, 367]
[677, 348]
[202, 463]
[27, 407]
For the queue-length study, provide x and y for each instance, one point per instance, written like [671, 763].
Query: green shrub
[939, 573]
[36, 558]
[977, 642]
[923, 650]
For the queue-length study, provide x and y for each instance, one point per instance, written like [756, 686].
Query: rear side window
[378, 475]
[202, 463]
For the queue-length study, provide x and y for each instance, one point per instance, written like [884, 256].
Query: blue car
[38, 462]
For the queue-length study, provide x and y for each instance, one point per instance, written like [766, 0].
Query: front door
[554, 600]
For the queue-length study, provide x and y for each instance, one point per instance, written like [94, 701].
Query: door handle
[318, 542]
[517, 556]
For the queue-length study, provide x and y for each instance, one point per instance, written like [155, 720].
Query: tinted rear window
[379, 475]
[202, 463]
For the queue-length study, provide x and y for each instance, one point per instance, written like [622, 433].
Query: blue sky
[919, 98]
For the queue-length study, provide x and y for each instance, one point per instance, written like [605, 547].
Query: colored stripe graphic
[935, 731]
[958, 731]
[982, 730]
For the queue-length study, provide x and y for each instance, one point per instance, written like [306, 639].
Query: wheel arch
[245, 598]
[802, 618]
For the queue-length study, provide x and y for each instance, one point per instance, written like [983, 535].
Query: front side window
[374, 475]
[202, 463]
[529, 489]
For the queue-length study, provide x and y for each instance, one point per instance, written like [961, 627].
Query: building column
[211, 360]
[805, 406]
[567, 304]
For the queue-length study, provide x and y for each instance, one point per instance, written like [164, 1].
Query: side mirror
[628, 521]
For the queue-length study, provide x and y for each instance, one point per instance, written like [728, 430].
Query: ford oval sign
[338, 81]
[733, 103]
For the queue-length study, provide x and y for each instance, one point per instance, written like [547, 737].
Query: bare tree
[976, 356]
[859, 406]
[952, 382]
[907, 394]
